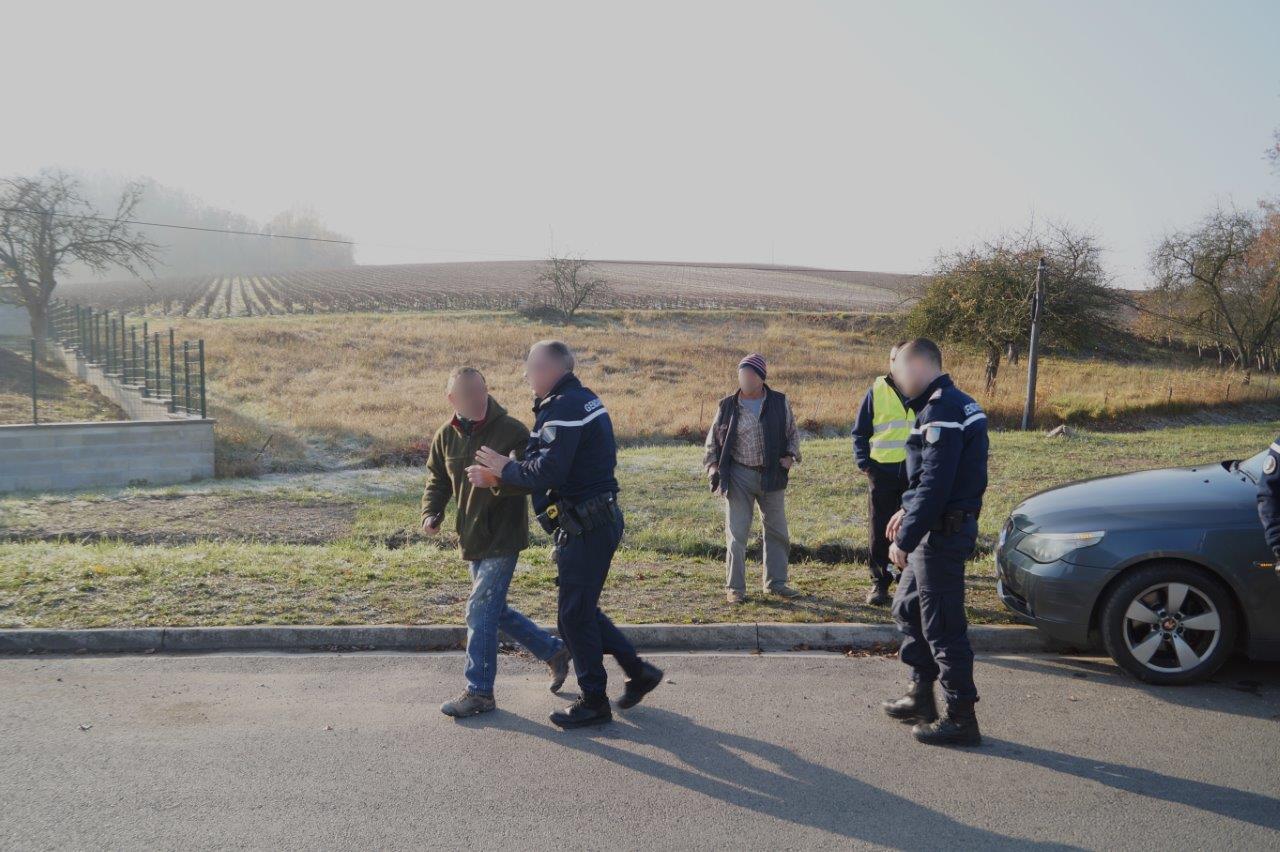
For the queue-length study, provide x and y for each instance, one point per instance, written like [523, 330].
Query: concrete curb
[394, 637]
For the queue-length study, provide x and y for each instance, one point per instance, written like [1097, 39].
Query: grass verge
[669, 568]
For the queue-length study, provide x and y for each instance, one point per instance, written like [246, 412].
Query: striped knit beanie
[755, 362]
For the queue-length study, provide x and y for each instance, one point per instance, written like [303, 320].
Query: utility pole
[1033, 349]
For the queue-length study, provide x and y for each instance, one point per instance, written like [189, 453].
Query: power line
[232, 232]
[228, 231]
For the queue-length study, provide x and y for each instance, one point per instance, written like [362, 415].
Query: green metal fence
[158, 364]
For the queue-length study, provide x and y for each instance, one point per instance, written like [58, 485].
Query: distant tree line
[1218, 288]
[1218, 285]
[1215, 287]
[53, 227]
[181, 253]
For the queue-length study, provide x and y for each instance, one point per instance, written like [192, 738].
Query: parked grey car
[1167, 568]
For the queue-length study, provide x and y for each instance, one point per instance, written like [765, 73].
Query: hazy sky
[852, 135]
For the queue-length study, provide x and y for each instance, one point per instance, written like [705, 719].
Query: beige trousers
[739, 508]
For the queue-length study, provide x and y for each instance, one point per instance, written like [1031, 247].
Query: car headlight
[1050, 547]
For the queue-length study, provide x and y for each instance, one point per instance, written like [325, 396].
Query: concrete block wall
[63, 456]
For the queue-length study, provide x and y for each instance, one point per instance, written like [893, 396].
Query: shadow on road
[728, 767]
[1257, 684]
[1255, 808]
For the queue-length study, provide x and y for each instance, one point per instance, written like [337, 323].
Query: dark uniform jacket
[491, 521]
[571, 453]
[946, 460]
[1269, 497]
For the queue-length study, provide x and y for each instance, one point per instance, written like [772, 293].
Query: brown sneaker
[468, 704]
[784, 591]
[734, 596]
[558, 665]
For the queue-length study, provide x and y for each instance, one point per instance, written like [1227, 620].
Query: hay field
[345, 387]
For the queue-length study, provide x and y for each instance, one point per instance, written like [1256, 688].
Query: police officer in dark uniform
[1269, 499]
[933, 534]
[569, 468]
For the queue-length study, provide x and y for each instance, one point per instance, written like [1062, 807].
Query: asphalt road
[738, 751]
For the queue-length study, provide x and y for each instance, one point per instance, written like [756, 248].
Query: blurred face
[469, 396]
[913, 373]
[750, 382]
[542, 369]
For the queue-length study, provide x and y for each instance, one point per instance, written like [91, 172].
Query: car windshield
[1252, 467]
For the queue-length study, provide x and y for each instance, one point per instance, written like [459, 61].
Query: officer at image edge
[1269, 499]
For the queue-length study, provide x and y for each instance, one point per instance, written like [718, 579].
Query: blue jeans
[487, 613]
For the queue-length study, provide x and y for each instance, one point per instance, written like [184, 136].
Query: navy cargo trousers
[929, 610]
[583, 561]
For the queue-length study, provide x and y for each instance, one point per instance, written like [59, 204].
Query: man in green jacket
[493, 527]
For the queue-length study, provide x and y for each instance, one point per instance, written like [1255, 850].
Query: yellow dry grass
[362, 381]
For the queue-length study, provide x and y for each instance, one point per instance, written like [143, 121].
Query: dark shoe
[639, 687]
[950, 730]
[918, 705]
[559, 666]
[784, 591]
[580, 714]
[879, 596]
[468, 704]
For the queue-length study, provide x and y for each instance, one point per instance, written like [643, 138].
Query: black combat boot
[640, 686]
[958, 728]
[879, 594]
[918, 705]
[587, 710]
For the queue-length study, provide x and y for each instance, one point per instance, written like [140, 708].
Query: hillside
[497, 284]
[332, 389]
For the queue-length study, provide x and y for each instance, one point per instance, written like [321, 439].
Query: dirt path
[180, 519]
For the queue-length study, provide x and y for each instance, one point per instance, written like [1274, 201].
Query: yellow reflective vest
[890, 424]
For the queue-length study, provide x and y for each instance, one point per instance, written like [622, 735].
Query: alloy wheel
[1172, 627]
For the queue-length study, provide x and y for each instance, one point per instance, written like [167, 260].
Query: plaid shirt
[748, 444]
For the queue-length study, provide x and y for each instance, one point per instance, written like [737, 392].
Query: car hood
[1199, 496]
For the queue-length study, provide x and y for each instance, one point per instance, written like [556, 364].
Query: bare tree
[47, 224]
[569, 283]
[1224, 278]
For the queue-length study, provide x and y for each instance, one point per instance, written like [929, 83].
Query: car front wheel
[1169, 623]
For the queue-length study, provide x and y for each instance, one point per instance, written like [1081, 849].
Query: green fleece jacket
[490, 521]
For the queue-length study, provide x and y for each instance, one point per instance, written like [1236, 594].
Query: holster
[562, 519]
[598, 511]
[953, 521]
[549, 518]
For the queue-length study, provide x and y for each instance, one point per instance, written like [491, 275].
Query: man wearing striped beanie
[751, 446]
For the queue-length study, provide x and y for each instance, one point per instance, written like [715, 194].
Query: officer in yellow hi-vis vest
[879, 447]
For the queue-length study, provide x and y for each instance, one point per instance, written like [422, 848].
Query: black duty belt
[565, 518]
[953, 521]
